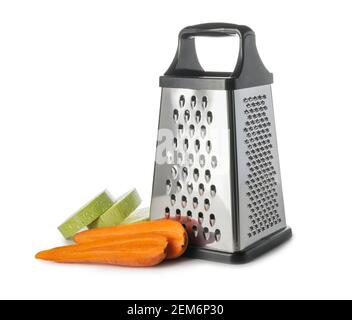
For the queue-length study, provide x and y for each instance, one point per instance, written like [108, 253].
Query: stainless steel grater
[217, 166]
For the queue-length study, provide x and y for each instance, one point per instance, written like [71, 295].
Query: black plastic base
[247, 255]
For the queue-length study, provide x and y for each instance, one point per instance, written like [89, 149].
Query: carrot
[139, 258]
[172, 230]
[121, 243]
[145, 250]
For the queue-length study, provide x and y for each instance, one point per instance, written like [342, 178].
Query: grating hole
[179, 186]
[187, 115]
[182, 101]
[189, 215]
[175, 143]
[201, 189]
[185, 144]
[178, 214]
[197, 145]
[180, 158]
[190, 187]
[180, 129]
[217, 235]
[184, 201]
[191, 130]
[196, 174]
[173, 199]
[169, 157]
[214, 161]
[200, 217]
[204, 102]
[195, 202]
[213, 191]
[207, 175]
[190, 160]
[167, 212]
[174, 172]
[206, 204]
[195, 231]
[208, 146]
[198, 116]
[206, 233]
[203, 131]
[193, 101]
[212, 220]
[184, 173]
[209, 117]
[168, 186]
[176, 115]
[202, 160]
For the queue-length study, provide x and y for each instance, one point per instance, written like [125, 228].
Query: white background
[79, 103]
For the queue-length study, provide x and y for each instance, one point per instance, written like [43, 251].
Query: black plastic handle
[215, 30]
[249, 71]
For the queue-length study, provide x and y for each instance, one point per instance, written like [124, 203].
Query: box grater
[217, 166]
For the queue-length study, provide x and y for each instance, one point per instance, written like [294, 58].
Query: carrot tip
[39, 255]
[42, 255]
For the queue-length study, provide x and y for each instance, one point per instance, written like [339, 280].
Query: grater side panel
[261, 206]
[192, 177]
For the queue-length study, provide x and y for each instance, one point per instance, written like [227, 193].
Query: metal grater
[217, 166]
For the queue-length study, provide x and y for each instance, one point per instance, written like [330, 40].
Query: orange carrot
[141, 258]
[172, 230]
[121, 243]
[137, 251]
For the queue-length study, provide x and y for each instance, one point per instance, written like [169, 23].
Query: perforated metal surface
[260, 193]
[194, 184]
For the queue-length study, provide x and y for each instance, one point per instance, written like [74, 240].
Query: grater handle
[215, 30]
[249, 71]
